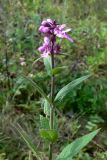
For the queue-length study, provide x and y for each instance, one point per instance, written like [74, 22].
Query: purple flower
[61, 32]
[44, 29]
[45, 48]
[51, 30]
[48, 22]
[47, 26]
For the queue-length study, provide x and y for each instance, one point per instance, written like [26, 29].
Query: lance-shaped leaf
[58, 70]
[48, 66]
[36, 61]
[66, 90]
[28, 141]
[75, 147]
[35, 85]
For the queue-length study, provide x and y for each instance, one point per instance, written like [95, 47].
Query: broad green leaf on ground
[75, 147]
[28, 141]
[66, 90]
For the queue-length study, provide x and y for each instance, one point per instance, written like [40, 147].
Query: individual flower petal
[49, 20]
[41, 49]
[46, 40]
[46, 47]
[61, 27]
[44, 29]
[44, 55]
[59, 32]
[68, 30]
[68, 37]
[46, 24]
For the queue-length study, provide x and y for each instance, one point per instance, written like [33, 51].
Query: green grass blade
[28, 141]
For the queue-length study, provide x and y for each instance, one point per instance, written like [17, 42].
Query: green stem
[52, 93]
[52, 107]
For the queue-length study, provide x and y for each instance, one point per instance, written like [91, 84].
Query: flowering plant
[48, 124]
[51, 31]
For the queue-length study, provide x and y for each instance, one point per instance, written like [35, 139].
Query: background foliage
[19, 102]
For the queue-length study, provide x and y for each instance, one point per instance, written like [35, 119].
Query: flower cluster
[51, 30]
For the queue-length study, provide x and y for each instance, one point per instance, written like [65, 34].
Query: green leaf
[66, 90]
[75, 147]
[27, 140]
[46, 107]
[35, 85]
[17, 93]
[57, 70]
[48, 66]
[37, 60]
[44, 122]
[50, 135]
